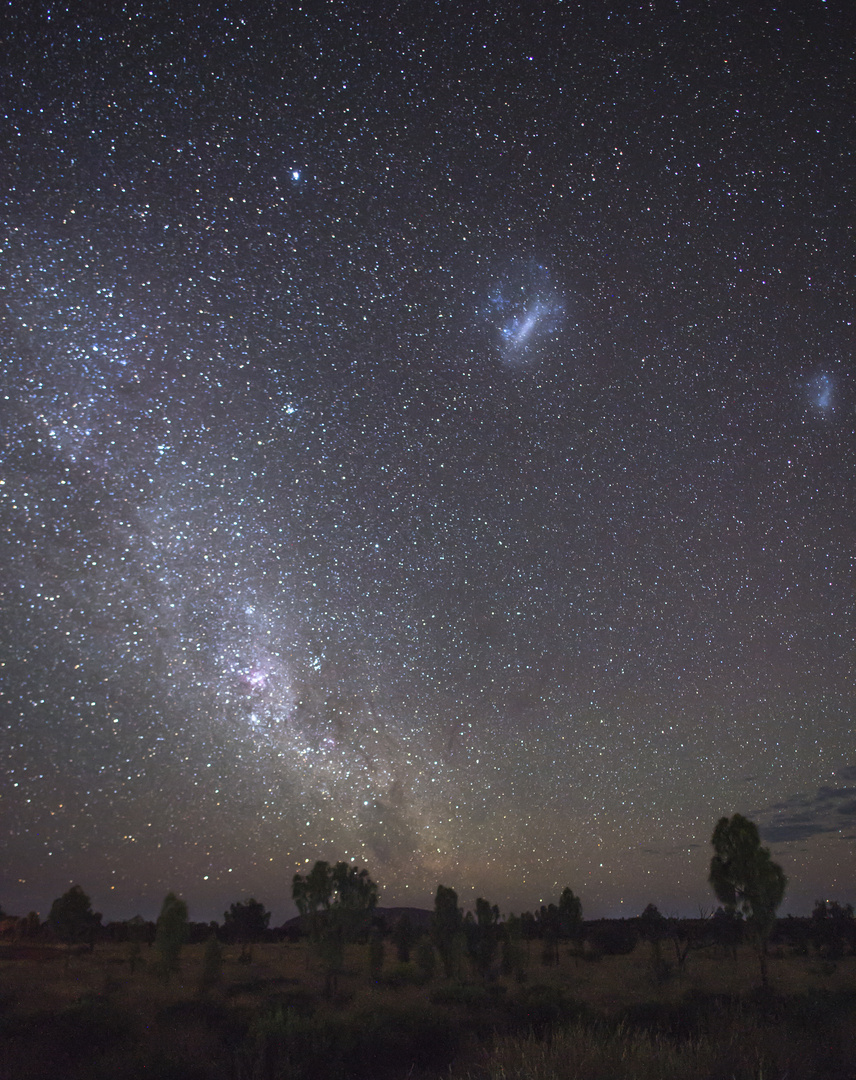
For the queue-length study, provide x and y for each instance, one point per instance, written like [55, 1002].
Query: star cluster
[428, 440]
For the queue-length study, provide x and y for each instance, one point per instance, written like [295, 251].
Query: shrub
[403, 975]
[170, 935]
[212, 965]
[467, 995]
[541, 1006]
[613, 938]
[376, 956]
[426, 958]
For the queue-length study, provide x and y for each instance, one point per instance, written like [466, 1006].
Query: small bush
[371, 1043]
[89, 1026]
[467, 995]
[403, 1040]
[376, 956]
[259, 986]
[540, 1006]
[403, 975]
[613, 938]
[210, 1014]
[426, 958]
[212, 965]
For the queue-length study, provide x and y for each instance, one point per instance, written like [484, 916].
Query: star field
[428, 440]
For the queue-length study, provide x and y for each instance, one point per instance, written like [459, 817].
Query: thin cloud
[804, 815]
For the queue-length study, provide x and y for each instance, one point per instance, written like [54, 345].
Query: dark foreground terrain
[269, 1017]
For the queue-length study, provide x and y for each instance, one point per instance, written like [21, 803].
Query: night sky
[428, 439]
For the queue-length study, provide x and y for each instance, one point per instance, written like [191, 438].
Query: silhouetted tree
[550, 927]
[136, 930]
[528, 927]
[833, 928]
[446, 928]
[376, 954]
[170, 935]
[652, 924]
[356, 899]
[613, 937]
[653, 927]
[313, 894]
[403, 938]
[745, 878]
[30, 926]
[483, 936]
[212, 965]
[512, 958]
[72, 919]
[338, 901]
[425, 957]
[727, 930]
[570, 914]
[245, 923]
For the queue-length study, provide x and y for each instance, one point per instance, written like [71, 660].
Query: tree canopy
[446, 926]
[742, 872]
[171, 933]
[745, 878]
[342, 888]
[338, 900]
[71, 917]
[246, 921]
[340, 896]
[570, 913]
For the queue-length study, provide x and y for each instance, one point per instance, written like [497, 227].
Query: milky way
[428, 441]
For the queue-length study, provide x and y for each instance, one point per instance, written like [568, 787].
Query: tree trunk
[762, 956]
